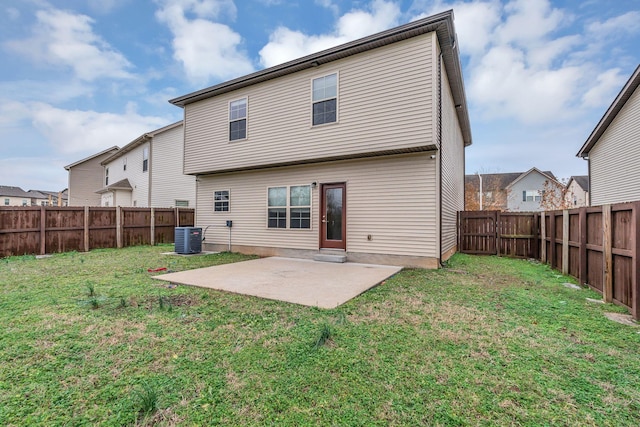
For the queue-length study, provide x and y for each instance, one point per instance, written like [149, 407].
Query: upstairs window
[124, 164]
[106, 176]
[238, 119]
[6, 202]
[325, 99]
[145, 159]
[24, 202]
[221, 201]
[531, 196]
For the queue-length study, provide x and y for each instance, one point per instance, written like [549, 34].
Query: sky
[80, 76]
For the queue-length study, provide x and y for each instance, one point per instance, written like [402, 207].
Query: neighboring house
[577, 193]
[49, 198]
[613, 149]
[85, 177]
[528, 191]
[148, 172]
[357, 150]
[14, 196]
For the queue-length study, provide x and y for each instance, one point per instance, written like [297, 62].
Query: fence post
[43, 233]
[565, 241]
[635, 269]
[153, 227]
[552, 239]
[86, 228]
[543, 237]
[498, 228]
[177, 218]
[535, 249]
[582, 235]
[607, 280]
[119, 227]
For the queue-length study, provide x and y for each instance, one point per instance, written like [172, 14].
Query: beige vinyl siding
[85, 179]
[168, 183]
[452, 164]
[16, 201]
[615, 175]
[385, 99]
[391, 198]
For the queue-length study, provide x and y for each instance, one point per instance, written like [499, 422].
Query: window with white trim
[106, 176]
[145, 159]
[6, 202]
[182, 203]
[531, 196]
[221, 201]
[124, 163]
[325, 99]
[238, 119]
[289, 207]
[24, 202]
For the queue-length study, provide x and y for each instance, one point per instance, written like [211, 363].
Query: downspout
[480, 179]
[149, 140]
[589, 172]
[439, 130]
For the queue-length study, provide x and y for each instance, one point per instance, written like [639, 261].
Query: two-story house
[147, 172]
[613, 149]
[358, 149]
[530, 191]
[85, 177]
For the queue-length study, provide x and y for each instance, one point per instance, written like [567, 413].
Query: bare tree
[554, 196]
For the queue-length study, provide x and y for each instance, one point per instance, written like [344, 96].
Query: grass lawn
[92, 339]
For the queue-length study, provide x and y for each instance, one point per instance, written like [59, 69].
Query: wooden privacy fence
[597, 245]
[47, 229]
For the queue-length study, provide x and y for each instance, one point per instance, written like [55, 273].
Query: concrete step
[330, 256]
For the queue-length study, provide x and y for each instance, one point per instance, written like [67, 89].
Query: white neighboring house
[577, 193]
[14, 196]
[147, 172]
[613, 149]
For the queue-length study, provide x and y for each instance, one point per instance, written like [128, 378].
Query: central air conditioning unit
[188, 240]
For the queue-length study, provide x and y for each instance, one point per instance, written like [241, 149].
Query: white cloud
[329, 4]
[285, 44]
[206, 49]
[77, 131]
[625, 23]
[65, 39]
[606, 83]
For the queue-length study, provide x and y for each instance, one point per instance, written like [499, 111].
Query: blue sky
[79, 76]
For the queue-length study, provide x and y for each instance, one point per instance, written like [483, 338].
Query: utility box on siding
[188, 240]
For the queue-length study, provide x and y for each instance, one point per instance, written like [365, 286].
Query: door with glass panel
[333, 218]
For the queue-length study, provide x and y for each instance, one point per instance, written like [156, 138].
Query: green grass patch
[92, 339]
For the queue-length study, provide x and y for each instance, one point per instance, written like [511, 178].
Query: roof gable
[139, 141]
[107, 151]
[547, 174]
[611, 113]
[581, 180]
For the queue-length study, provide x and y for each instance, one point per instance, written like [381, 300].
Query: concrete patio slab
[299, 281]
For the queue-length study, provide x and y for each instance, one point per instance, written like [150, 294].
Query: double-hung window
[221, 201]
[325, 99]
[531, 196]
[238, 119]
[106, 176]
[277, 207]
[289, 207]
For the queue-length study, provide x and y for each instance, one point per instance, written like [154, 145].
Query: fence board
[48, 229]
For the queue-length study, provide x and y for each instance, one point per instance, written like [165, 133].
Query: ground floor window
[221, 201]
[182, 203]
[289, 207]
[531, 196]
